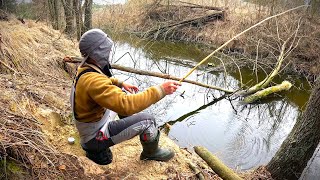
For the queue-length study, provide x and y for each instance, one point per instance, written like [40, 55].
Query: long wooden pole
[166, 76]
[148, 73]
[226, 43]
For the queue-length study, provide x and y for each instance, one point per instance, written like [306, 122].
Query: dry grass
[33, 49]
[33, 78]
[24, 142]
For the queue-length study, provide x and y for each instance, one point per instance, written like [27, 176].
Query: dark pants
[121, 130]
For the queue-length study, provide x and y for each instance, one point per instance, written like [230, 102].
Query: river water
[242, 136]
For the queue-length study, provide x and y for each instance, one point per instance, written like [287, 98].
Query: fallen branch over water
[284, 86]
[166, 76]
[270, 77]
[148, 73]
[216, 165]
[258, 89]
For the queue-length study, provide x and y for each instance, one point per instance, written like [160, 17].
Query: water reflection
[261, 130]
[243, 136]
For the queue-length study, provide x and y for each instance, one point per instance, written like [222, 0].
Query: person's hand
[130, 88]
[170, 87]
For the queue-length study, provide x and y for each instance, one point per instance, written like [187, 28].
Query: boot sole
[157, 159]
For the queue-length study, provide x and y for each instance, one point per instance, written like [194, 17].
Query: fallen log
[207, 18]
[148, 73]
[216, 165]
[21, 20]
[284, 86]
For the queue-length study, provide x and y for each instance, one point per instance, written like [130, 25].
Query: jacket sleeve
[102, 90]
[116, 82]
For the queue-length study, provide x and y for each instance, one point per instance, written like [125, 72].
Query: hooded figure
[98, 46]
[96, 97]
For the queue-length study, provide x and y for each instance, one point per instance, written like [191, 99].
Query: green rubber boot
[151, 150]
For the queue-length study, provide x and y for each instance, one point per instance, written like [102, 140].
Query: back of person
[96, 95]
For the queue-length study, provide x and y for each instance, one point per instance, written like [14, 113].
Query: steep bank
[212, 24]
[36, 118]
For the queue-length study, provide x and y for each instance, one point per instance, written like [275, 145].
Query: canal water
[242, 136]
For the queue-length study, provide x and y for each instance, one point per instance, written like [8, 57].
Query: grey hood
[97, 45]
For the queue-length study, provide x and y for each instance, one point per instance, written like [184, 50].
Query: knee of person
[147, 116]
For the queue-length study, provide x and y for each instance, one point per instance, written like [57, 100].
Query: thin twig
[10, 68]
[256, 61]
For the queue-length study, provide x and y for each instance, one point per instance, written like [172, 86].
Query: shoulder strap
[74, 87]
[83, 72]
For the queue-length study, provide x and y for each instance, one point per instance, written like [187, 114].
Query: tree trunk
[68, 14]
[56, 14]
[53, 6]
[87, 15]
[78, 15]
[51, 11]
[299, 146]
[2, 4]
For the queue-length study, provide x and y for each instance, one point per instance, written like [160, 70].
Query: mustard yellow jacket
[96, 91]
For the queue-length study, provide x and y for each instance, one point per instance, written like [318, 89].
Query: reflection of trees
[183, 117]
[157, 50]
[279, 117]
[260, 130]
[274, 111]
